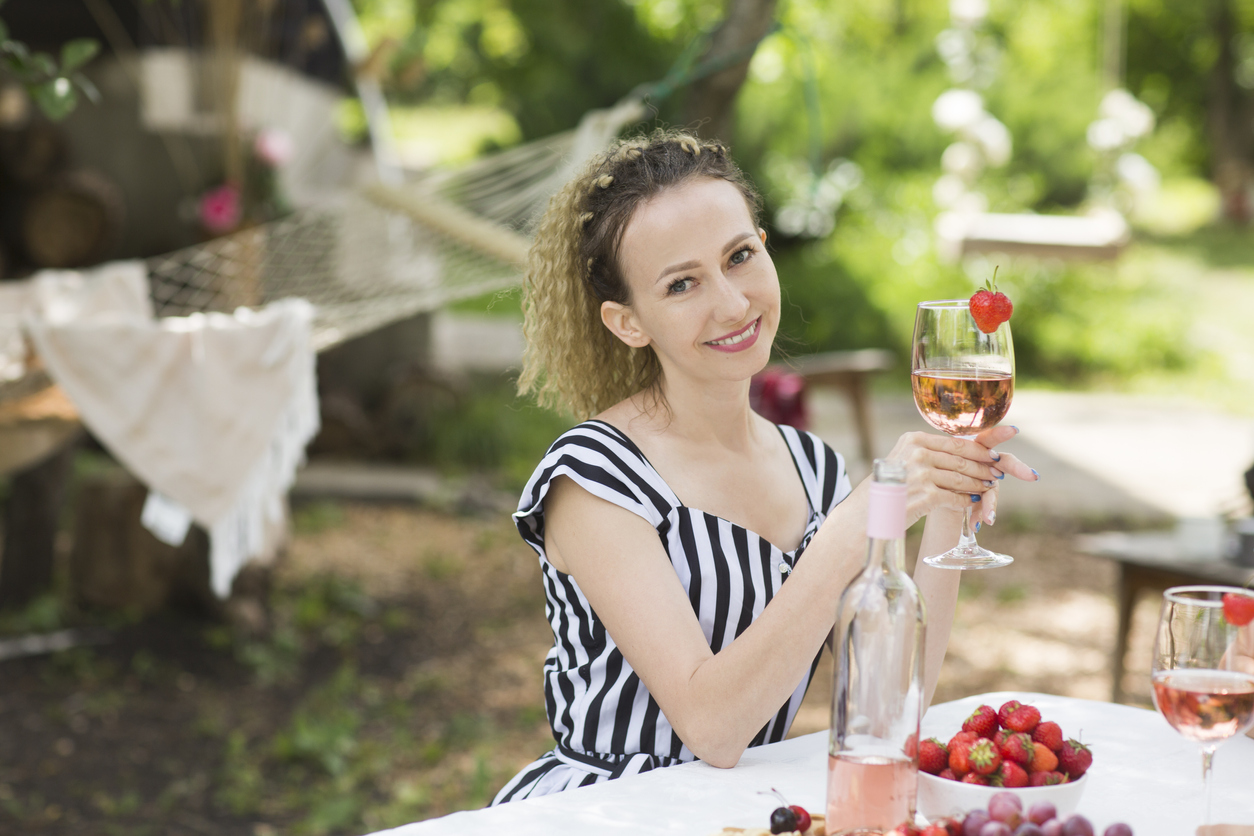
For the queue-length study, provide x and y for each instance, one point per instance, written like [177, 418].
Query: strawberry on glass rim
[990, 307]
[1238, 608]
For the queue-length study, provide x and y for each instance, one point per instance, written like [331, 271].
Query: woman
[667, 525]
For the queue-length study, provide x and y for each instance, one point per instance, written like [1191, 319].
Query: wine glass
[1203, 671]
[963, 380]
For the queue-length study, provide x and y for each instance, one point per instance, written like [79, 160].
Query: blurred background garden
[385, 667]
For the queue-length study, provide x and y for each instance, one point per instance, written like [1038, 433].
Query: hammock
[384, 253]
[372, 256]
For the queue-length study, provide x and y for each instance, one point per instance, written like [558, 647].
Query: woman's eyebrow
[688, 265]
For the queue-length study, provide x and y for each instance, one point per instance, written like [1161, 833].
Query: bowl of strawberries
[1007, 749]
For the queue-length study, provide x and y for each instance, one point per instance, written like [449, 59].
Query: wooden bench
[1152, 561]
[848, 371]
[1100, 237]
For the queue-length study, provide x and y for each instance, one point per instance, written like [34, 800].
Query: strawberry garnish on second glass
[990, 307]
[1238, 609]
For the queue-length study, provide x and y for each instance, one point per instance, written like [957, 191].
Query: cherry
[783, 820]
[803, 818]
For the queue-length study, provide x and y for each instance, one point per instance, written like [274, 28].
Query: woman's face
[704, 292]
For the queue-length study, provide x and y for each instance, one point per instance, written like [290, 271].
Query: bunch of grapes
[1005, 817]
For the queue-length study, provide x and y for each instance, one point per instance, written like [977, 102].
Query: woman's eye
[679, 285]
[741, 255]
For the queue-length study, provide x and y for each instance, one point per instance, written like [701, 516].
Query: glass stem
[1208, 755]
[966, 540]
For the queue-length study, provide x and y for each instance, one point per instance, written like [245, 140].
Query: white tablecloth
[1143, 773]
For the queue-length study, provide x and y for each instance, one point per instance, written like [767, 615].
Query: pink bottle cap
[886, 516]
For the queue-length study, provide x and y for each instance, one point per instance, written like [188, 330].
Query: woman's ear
[762, 235]
[621, 321]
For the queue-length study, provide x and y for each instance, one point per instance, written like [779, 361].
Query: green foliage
[535, 58]
[53, 88]
[489, 428]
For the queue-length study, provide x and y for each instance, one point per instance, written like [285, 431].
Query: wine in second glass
[963, 382]
[1203, 668]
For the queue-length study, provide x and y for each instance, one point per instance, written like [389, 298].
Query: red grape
[1041, 812]
[1077, 825]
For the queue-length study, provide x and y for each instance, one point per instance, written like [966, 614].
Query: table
[849, 371]
[1153, 560]
[1143, 773]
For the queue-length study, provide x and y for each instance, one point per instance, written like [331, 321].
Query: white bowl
[940, 797]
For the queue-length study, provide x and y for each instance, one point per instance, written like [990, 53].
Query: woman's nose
[732, 304]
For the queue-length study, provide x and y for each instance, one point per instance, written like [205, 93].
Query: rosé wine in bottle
[869, 793]
[962, 403]
[1205, 705]
[877, 696]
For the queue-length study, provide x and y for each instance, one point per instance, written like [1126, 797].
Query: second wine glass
[963, 382]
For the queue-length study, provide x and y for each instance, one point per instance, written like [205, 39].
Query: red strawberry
[999, 739]
[934, 830]
[933, 756]
[983, 757]
[990, 308]
[947, 774]
[1003, 713]
[983, 721]
[1011, 775]
[1238, 609]
[975, 778]
[1018, 749]
[1050, 734]
[1023, 719]
[1074, 759]
[1046, 779]
[1043, 760]
[959, 752]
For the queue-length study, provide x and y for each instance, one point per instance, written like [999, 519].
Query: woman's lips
[738, 340]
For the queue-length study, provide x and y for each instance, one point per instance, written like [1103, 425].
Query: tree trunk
[1230, 122]
[30, 528]
[710, 107]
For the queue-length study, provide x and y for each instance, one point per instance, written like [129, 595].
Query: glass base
[969, 557]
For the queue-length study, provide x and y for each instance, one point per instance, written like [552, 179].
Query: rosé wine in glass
[1203, 670]
[1205, 705]
[962, 404]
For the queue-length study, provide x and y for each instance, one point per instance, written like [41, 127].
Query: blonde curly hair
[572, 362]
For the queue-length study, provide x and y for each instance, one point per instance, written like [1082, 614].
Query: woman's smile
[738, 340]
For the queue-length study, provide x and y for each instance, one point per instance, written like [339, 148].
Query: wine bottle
[877, 697]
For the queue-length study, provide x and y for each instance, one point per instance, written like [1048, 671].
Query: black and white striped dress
[604, 720]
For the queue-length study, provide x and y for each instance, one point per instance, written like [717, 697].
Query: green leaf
[84, 84]
[78, 52]
[43, 63]
[56, 98]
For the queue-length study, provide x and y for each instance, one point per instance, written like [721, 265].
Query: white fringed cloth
[211, 411]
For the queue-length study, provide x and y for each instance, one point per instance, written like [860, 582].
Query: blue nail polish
[1037, 475]
[1013, 427]
[988, 484]
[975, 497]
[977, 528]
[996, 456]
[1001, 475]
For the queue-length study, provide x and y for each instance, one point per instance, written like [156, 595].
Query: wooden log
[30, 528]
[117, 563]
[73, 221]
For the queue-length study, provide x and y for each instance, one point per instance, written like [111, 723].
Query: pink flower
[273, 147]
[220, 209]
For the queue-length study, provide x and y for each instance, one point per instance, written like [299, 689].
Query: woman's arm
[718, 702]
